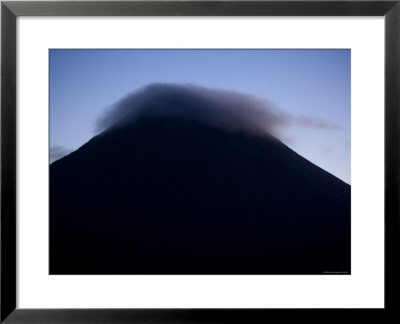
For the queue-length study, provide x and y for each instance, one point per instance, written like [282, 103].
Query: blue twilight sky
[310, 84]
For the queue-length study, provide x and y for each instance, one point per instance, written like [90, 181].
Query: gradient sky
[306, 83]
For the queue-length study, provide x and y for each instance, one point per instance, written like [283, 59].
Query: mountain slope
[175, 196]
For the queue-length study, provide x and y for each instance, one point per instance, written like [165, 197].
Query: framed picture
[199, 161]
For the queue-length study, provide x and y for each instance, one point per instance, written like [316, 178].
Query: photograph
[199, 161]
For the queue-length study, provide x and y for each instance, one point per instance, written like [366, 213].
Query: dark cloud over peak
[221, 108]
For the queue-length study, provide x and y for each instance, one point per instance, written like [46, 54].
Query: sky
[313, 86]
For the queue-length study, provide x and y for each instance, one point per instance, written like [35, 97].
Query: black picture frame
[10, 10]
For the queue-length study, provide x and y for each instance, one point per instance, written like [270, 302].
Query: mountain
[172, 195]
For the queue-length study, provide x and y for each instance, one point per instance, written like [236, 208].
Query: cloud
[57, 152]
[221, 108]
[315, 123]
[328, 151]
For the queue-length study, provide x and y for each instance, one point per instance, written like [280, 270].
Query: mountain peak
[168, 195]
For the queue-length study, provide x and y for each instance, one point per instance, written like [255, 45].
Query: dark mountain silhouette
[171, 195]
